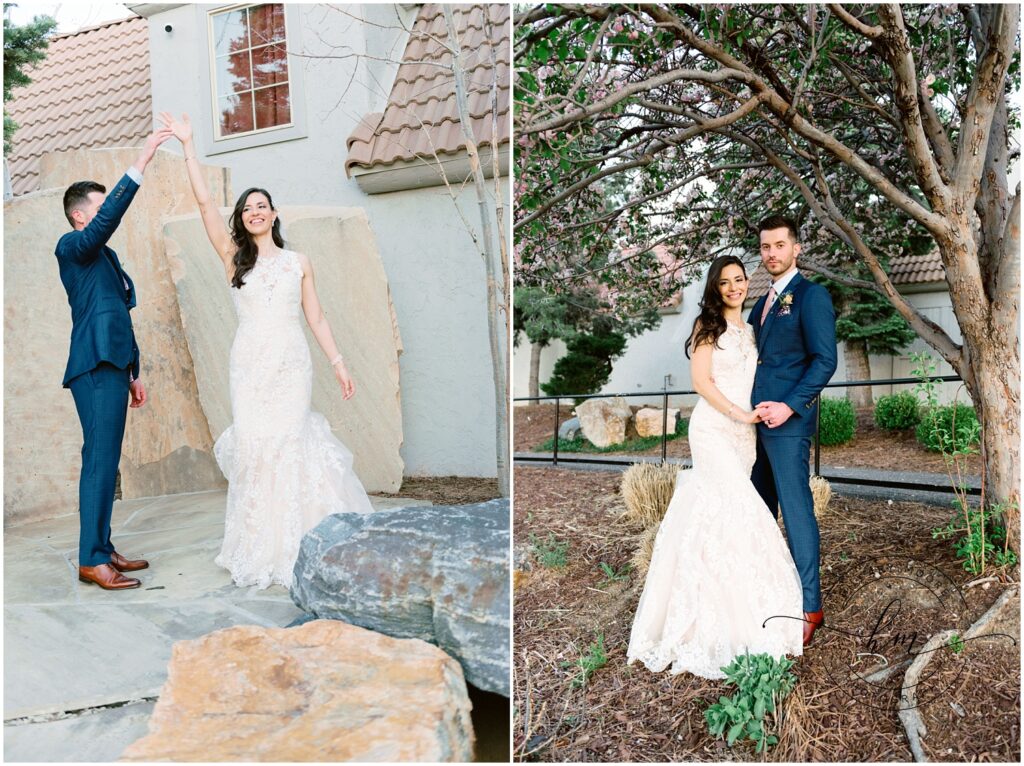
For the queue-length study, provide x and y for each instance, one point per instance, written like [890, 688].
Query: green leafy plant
[897, 412]
[950, 429]
[594, 658]
[550, 552]
[956, 643]
[611, 575]
[587, 364]
[762, 683]
[975, 529]
[977, 536]
[838, 421]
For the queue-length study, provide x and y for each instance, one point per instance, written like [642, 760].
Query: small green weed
[550, 552]
[956, 643]
[595, 657]
[610, 575]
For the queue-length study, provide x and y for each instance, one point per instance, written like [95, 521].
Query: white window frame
[296, 91]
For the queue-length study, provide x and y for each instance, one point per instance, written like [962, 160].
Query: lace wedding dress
[720, 566]
[285, 469]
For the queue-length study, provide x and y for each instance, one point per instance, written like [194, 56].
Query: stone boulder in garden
[649, 421]
[605, 421]
[439, 573]
[326, 691]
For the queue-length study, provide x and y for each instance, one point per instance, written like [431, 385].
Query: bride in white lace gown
[286, 471]
[720, 566]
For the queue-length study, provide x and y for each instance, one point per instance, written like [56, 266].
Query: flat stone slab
[69, 645]
[94, 737]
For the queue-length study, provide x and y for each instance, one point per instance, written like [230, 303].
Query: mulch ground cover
[871, 446]
[627, 713]
[447, 490]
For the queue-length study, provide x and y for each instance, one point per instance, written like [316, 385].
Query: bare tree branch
[986, 89]
[629, 90]
[905, 91]
[854, 23]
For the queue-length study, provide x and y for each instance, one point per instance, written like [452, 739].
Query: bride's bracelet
[731, 408]
[338, 359]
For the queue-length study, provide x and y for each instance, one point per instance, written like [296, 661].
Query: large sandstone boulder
[605, 421]
[438, 573]
[353, 289]
[167, 443]
[649, 421]
[326, 691]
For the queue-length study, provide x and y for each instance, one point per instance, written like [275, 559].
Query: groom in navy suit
[795, 328]
[103, 363]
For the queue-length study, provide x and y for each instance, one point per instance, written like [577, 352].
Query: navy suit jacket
[101, 328]
[796, 353]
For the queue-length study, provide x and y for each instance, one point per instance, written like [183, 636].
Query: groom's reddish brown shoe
[812, 620]
[121, 564]
[107, 577]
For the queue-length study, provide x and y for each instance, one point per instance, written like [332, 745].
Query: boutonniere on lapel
[785, 304]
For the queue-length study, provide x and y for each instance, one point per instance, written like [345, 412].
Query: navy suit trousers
[782, 471]
[101, 398]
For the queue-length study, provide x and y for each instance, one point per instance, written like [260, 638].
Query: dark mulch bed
[627, 713]
[447, 490]
[871, 446]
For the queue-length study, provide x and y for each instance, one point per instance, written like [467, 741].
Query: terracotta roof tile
[91, 90]
[903, 270]
[421, 116]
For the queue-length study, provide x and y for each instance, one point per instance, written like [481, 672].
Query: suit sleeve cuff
[135, 175]
[798, 408]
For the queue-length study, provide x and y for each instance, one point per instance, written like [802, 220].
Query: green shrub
[838, 421]
[587, 364]
[897, 412]
[952, 429]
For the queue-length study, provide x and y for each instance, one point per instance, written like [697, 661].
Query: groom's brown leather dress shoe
[121, 564]
[107, 577]
[812, 620]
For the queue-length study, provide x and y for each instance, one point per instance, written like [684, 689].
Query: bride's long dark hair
[245, 255]
[711, 322]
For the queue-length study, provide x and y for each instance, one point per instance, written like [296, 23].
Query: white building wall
[436, 275]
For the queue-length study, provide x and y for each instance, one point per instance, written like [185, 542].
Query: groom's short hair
[779, 222]
[78, 193]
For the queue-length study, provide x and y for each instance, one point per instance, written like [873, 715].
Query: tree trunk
[535, 353]
[858, 367]
[990, 367]
[497, 321]
[995, 389]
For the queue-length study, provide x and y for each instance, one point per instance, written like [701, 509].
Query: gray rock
[570, 429]
[438, 573]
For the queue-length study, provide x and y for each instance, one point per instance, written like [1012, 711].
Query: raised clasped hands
[348, 386]
[180, 129]
[773, 414]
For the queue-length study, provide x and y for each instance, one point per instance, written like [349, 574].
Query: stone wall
[167, 446]
[168, 443]
[353, 292]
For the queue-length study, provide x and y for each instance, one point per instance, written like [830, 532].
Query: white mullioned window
[250, 77]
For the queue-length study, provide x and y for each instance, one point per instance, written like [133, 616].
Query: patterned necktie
[768, 303]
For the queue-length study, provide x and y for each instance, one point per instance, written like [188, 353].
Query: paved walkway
[855, 479]
[84, 666]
